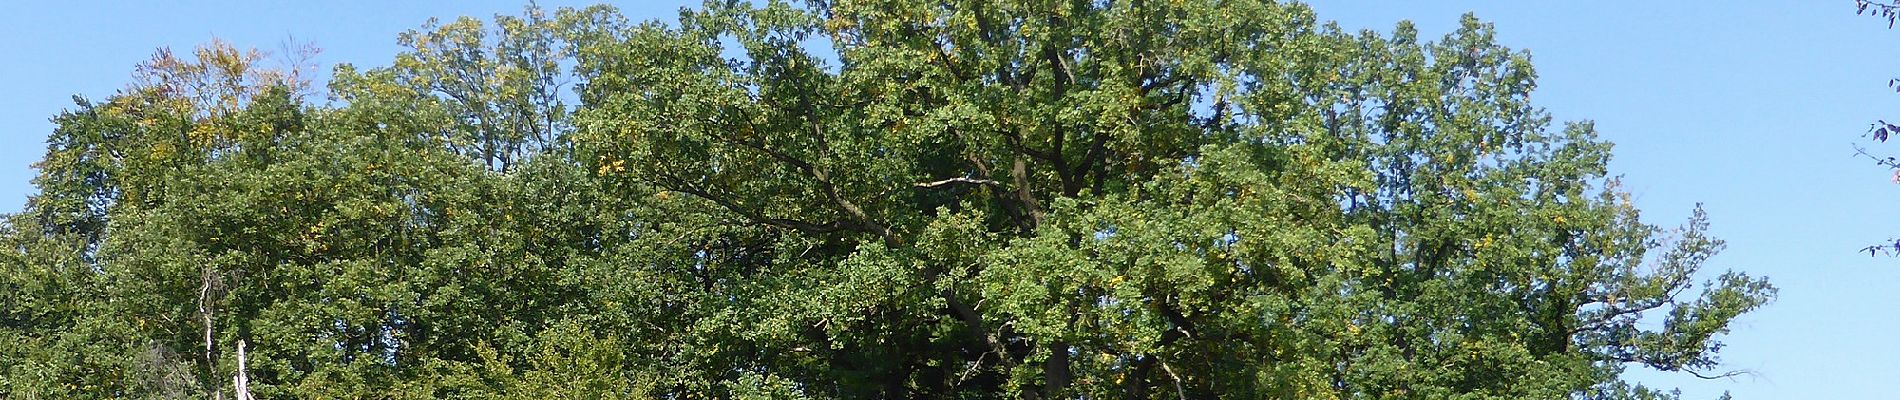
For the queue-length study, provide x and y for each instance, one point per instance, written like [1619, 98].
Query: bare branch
[973, 366]
[1178, 390]
[1890, 162]
[1729, 374]
[952, 181]
[241, 384]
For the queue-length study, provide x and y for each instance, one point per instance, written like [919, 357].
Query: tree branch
[953, 181]
[1020, 173]
[1178, 389]
[863, 221]
[758, 217]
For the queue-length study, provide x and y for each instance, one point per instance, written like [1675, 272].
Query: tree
[858, 199]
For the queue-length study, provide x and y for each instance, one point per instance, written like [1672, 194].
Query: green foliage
[854, 199]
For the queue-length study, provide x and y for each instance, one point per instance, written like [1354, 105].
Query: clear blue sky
[1749, 107]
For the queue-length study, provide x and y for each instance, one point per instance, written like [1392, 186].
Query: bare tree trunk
[204, 310]
[241, 383]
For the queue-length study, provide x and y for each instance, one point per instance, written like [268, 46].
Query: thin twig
[945, 182]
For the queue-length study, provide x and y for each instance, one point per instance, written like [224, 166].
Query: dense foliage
[853, 199]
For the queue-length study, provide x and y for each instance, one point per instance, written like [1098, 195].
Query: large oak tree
[854, 199]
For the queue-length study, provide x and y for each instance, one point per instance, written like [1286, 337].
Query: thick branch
[1020, 172]
[1055, 370]
[1159, 83]
[1064, 76]
[831, 189]
[974, 322]
[1098, 146]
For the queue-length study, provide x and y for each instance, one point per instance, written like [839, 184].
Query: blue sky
[1748, 107]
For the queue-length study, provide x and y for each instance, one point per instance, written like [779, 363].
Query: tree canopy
[853, 199]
